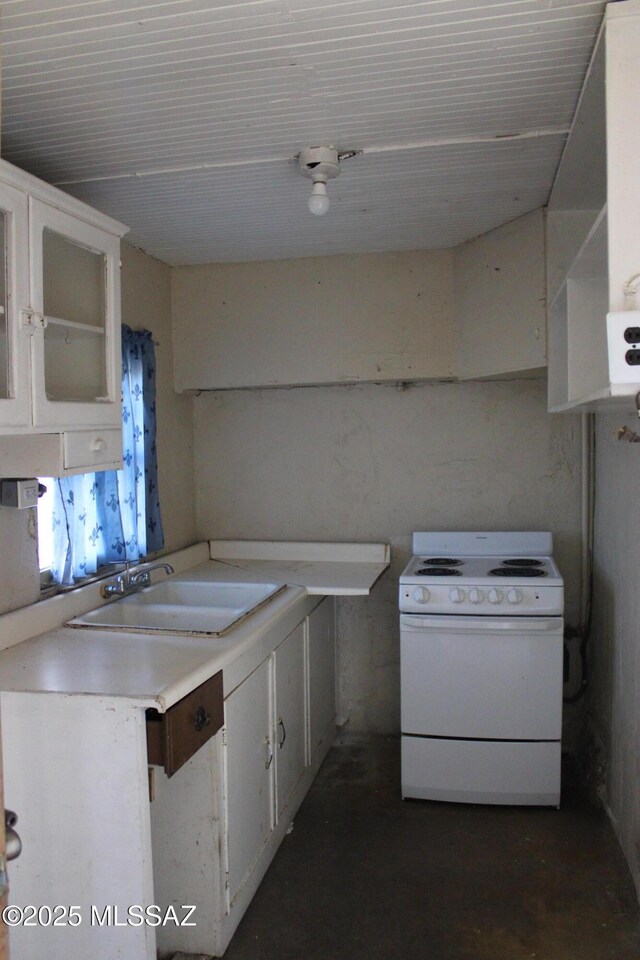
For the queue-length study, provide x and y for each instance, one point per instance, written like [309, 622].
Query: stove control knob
[421, 595]
[514, 596]
[476, 596]
[494, 596]
[456, 595]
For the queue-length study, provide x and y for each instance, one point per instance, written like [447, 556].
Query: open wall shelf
[593, 246]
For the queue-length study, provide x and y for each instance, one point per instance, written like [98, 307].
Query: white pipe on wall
[586, 516]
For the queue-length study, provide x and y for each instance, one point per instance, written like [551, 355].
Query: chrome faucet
[127, 582]
[142, 578]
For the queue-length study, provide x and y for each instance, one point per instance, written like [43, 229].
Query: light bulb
[318, 202]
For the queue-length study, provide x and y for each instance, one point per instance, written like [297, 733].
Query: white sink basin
[182, 606]
[204, 593]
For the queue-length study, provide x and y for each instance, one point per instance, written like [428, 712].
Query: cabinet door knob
[98, 445]
[13, 841]
[202, 719]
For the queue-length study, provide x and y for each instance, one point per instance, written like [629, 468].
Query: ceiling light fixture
[318, 202]
[319, 164]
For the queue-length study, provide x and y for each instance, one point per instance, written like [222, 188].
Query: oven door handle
[456, 623]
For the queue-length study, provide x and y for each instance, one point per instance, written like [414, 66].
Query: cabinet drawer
[90, 448]
[173, 737]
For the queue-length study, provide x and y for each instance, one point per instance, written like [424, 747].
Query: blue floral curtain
[111, 516]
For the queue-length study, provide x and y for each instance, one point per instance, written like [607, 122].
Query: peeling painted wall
[375, 463]
[615, 643]
[500, 299]
[385, 316]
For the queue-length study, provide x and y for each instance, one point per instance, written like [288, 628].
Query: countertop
[159, 669]
[154, 669]
[325, 569]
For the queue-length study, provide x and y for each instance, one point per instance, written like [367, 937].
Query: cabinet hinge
[224, 736]
[30, 321]
[226, 880]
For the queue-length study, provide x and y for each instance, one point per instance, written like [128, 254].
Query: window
[45, 526]
[94, 519]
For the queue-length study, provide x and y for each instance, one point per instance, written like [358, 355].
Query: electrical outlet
[19, 493]
[623, 342]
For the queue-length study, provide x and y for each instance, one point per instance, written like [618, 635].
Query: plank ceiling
[180, 117]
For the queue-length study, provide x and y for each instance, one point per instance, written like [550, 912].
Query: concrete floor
[367, 876]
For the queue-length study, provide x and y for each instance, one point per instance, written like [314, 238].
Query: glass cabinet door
[15, 388]
[74, 305]
[75, 294]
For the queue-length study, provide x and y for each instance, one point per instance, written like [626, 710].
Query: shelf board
[620, 396]
[591, 259]
[598, 395]
[56, 327]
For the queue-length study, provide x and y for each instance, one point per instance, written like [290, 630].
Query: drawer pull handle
[284, 732]
[202, 719]
[98, 445]
[269, 759]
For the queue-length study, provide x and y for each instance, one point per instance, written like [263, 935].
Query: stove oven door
[484, 678]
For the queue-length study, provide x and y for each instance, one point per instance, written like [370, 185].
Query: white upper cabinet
[592, 230]
[75, 298]
[15, 371]
[60, 350]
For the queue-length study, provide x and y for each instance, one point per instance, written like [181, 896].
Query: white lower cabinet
[75, 772]
[217, 824]
[289, 716]
[92, 838]
[248, 776]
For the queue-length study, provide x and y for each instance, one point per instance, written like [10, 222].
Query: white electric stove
[481, 657]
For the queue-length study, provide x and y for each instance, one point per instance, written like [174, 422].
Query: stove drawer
[483, 678]
[478, 771]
